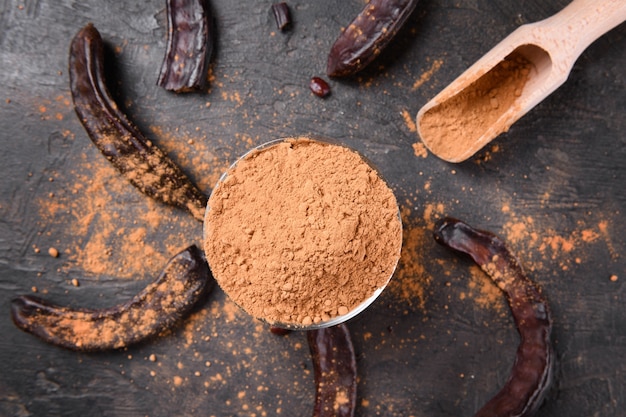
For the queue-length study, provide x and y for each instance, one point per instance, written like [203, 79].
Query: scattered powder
[411, 280]
[420, 150]
[90, 212]
[603, 227]
[558, 244]
[589, 235]
[192, 150]
[234, 97]
[427, 74]
[432, 211]
[568, 249]
[520, 229]
[488, 154]
[454, 126]
[484, 292]
[409, 121]
[301, 232]
[54, 109]
[104, 235]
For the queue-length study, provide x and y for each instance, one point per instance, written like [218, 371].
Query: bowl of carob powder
[302, 233]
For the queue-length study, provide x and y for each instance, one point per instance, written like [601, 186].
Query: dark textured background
[434, 344]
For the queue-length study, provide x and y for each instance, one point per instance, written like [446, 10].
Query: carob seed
[319, 87]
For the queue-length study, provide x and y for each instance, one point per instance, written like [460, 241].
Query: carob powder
[457, 123]
[302, 231]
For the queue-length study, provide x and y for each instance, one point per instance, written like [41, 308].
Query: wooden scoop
[517, 74]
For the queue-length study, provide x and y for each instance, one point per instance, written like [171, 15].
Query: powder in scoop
[302, 231]
[457, 123]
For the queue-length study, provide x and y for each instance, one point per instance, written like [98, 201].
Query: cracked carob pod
[531, 375]
[119, 140]
[334, 364]
[367, 35]
[189, 46]
[183, 282]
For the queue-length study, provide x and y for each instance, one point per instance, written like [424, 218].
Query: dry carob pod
[119, 140]
[183, 282]
[189, 46]
[282, 15]
[531, 375]
[367, 35]
[334, 364]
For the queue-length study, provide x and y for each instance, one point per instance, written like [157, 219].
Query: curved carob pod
[334, 364]
[531, 375]
[119, 140]
[367, 35]
[183, 282]
[189, 46]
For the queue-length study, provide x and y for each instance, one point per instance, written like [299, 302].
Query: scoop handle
[578, 25]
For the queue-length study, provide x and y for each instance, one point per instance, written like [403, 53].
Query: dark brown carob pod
[282, 15]
[334, 364]
[367, 35]
[119, 140]
[189, 48]
[158, 307]
[531, 375]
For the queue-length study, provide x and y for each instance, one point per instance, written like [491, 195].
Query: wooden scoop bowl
[512, 78]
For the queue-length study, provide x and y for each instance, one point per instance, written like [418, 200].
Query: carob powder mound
[302, 231]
